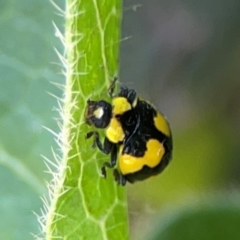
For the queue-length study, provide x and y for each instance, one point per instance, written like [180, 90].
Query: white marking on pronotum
[99, 113]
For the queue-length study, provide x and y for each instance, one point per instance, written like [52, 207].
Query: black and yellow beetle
[137, 136]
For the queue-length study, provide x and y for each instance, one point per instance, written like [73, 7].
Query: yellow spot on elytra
[153, 156]
[162, 125]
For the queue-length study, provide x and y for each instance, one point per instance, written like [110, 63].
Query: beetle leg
[112, 87]
[105, 148]
[91, 134]
[123, 92]
[119, 178]
[131, 97]
[112, 162]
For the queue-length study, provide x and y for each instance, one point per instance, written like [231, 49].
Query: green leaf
[85, 206]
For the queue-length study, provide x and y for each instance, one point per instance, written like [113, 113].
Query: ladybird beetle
[137, 136]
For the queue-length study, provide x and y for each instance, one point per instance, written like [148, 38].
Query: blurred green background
[181, 55]
[27, 66]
